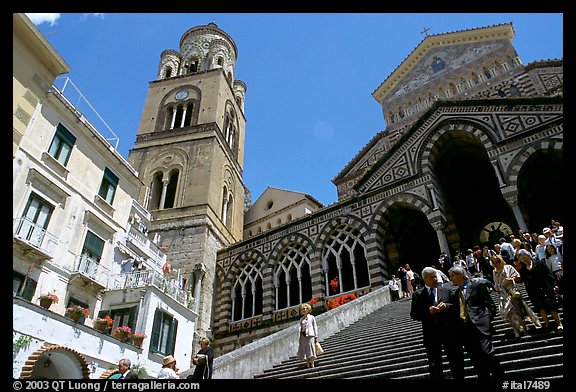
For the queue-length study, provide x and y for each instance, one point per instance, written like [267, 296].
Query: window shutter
[132, 318]
[172, 337]
[155, 338]
[94, 244]
[29, 289]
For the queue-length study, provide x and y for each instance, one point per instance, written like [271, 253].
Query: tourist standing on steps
[403, 281]
[410, 280]
[308, 336]
[394, 288]
[477, 311]
[437, 309]
[512, 307]
[540, 285]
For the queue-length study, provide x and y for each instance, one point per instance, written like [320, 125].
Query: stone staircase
[388, 344]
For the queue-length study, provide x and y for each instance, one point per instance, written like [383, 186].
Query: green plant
[22, 341]
[140, 370]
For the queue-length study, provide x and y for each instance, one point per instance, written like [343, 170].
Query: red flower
[313, 301]
[334, 284]
[341, 300]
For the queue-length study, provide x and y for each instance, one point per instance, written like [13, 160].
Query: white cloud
[38, 19]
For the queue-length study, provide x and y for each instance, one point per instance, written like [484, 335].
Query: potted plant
[123, 333]
[46, 300]
[103, 323]
[77, 311]
[138, 338]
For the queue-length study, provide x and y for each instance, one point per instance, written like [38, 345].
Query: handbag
[514, 292]
[319, 349]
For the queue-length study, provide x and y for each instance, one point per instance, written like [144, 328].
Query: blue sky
[310, 77]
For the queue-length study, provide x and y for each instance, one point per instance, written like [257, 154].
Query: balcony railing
[34, 235]
[92, 269]
[151, 278]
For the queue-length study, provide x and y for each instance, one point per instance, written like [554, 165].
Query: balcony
[151, 278]
[91, 269]
[34, 239]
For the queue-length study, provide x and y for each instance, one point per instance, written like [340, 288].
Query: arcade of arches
[454, 177]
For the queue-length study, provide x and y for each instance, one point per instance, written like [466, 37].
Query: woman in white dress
[512, 307]
[308, 336]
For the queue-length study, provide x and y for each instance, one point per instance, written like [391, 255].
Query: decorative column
[173, 118]
[501, 181]
[512, 200]
[183, 117]
[225, 211]
[199, 272]
[439, 227]
[165, 183]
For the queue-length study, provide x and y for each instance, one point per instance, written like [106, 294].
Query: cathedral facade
[472, 138]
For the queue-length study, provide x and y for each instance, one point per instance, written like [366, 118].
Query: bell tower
[189, 152]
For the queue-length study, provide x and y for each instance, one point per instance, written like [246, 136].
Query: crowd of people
[457, 312]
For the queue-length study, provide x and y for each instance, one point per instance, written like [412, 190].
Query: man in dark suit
[437, 308]
[476, 312]
[124, 369]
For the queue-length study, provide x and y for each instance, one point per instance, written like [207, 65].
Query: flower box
[46, 300]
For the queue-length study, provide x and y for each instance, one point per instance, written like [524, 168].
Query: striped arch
[429, 149]
[290, 239]
[375, 244]
[417, 202]
[511, 174]
[333, 223]
[31, 363]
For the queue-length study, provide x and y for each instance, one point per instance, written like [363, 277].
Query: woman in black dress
[540, 285]
[403, 281]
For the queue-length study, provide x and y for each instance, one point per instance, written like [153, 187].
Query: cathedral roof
[504, 30]
[429, 43]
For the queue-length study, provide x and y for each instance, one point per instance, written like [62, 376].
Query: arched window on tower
[226, 212]
[220, 61]
[155, 191]
[179, 117]
[194, 61]
[171, 189]
[169, 117]
[188, 114]
[168, 72]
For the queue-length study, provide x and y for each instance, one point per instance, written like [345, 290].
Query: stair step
[388, 344]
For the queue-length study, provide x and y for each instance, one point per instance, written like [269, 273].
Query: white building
[78, 232]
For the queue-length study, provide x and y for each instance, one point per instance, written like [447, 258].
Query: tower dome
[203, 48]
